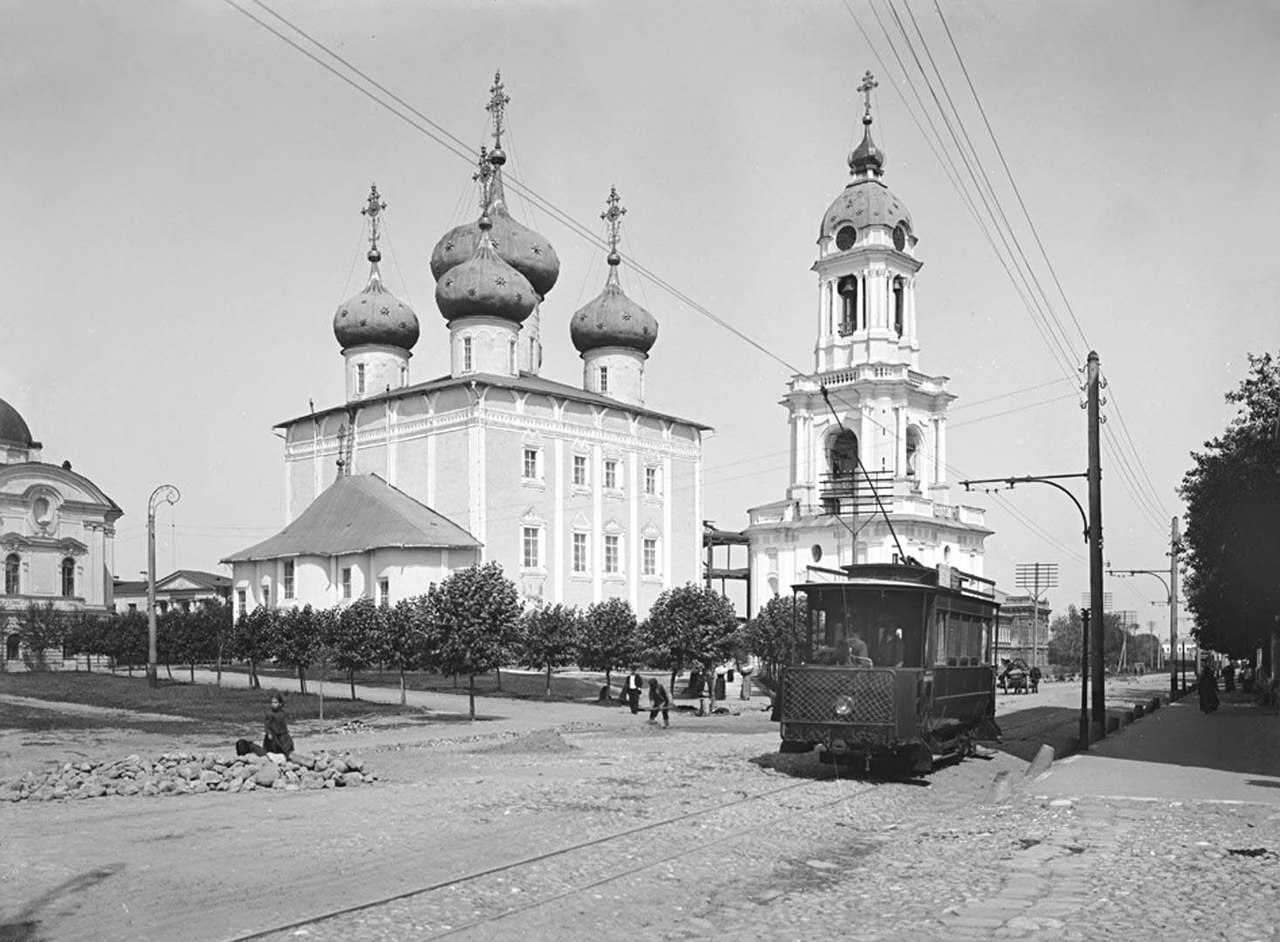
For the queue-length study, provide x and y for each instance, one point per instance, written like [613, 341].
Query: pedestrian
[659, 701]
[1035, 679]
[1207, 686]
[1229, 677]
[1246, 679]
[631, 690]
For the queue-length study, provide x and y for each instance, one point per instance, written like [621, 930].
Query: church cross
[613, 216]
[483, 175]
[868, 83]
[373, 209]
[497, 107]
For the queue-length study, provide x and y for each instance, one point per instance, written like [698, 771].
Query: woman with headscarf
[1208, 687]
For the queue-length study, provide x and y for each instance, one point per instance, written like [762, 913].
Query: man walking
[659, 702]
[631, 690]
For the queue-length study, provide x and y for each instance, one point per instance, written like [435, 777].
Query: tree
[472, 617]
[690, 624]
[251, 640]
[216, 623]
[355, 631]
[776, 634]
[40, 626]
[401, 644]
[548, 638]
[83, 634]
[187, 638]
[608, 637]
[294, 638]
[125, 639]
[1232, 494]
[1065, 634]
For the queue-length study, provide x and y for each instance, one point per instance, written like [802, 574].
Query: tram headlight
[843, 706]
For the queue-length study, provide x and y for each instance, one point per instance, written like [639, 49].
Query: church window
[12, 647]
[650, 561]
[899, 305]
[845, 237]
[288, 579]
[844, 454]
[531, 547]
[466, 354]
[611, 474]
[913, 451]
[384, 590]
[404, 376]
[346, 582]
[531, 469]
[12, 568]
[899, 237]
[511, 360]
[68, 578]
[360, 379]
[580, 552]
[612, 553]
[651, 481]
[580, 470]
[848, 289]
[604, 379]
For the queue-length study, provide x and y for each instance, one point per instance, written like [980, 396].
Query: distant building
[361, 538]
[57, 529]
[181, 590]
[1023, 629]
[580, 492]
[868, 429]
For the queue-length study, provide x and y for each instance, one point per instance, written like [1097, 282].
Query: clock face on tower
[899, 238]
[845, 238]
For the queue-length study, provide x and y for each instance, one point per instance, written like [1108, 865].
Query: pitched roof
[525, 382]
[358, 513]
[210, 580]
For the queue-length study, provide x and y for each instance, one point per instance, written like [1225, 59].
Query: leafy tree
[608, 637]
[1232, 494]
[687, 625]
[125, 639]
[191, 642]
[401, 644]
[776, 634]
[354, 635]
[214, 616]
[548, 639]
[40, 626]
[83, 634]
[251, 640]
[472, 622]
[293, 643]
[1066, 631]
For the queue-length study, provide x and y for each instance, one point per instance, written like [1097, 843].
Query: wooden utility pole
[1096, 632]
[1174, 539]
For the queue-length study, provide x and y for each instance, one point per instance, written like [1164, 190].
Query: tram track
[621, 836]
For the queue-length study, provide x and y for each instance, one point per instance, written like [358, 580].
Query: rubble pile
[182, 773]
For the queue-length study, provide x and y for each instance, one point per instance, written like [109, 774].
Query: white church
[868, 427]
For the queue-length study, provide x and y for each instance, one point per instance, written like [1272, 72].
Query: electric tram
[924, 687]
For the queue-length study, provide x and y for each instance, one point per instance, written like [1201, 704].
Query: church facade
[868, 428]
[57, 529]
[581, 492]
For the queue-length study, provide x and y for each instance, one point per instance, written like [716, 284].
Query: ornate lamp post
[169, 493]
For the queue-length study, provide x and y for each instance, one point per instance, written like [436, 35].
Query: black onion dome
[484, 286]
[867, 157]
[526, 251]
[375, 315]
[612, 319]
[13, 427]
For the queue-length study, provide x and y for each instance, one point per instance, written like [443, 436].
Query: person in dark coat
[631, 690]
[1208, 688]
[276, 729]
[659, 702]
[1229, 677]
[1035, 676]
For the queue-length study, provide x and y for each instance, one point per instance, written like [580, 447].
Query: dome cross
[613, 216]
[483, 175]
[868, 84]
[374, 206]
[497, 107]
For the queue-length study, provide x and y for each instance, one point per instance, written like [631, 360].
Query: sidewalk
[1179, 753]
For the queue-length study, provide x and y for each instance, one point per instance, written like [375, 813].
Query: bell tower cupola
[866, 266]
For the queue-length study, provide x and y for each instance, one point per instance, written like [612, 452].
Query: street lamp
[163, 493]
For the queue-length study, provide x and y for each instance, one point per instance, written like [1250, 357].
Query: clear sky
[181, 193]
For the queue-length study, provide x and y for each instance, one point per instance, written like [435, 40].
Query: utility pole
[1034, 577]
[1084, 681]
[165, 492]
[1093, 404]
[1174, 540]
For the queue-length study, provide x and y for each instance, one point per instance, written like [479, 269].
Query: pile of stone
[182, 773]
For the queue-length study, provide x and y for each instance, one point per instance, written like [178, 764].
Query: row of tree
[1066, 633]
[468, 624]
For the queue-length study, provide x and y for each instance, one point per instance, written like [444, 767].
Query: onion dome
[375, 315]
[612, 319]
[13, 427]
[484, 285]
[519, 246]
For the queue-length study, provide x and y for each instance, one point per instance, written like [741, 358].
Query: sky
[182, 190]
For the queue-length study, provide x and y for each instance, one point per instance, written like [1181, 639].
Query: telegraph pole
[1096, 633]
[1174, 540]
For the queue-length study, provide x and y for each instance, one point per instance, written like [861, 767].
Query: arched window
[12, 647]
[913, 451]
[848, 289]
[68, 577]
[899, 305]
[12, 567]
[844, 454]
